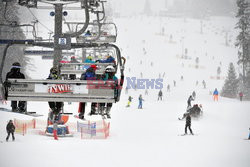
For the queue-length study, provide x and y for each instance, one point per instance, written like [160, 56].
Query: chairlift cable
[39, 21]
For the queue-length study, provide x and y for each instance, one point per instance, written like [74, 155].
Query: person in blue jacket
[89, 75]
[109, 59]
[140, 102]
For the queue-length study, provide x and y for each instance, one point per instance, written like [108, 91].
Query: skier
[88, 33]
[89, 75]
[174, 83]
[55, 107]
[194, 95]
[188, 122]
[110, 75]
[146, 92]
[16, 74]
[241, 96]
[189, 101]
[182, 78]
[204, 84]
[109, 59]
[197, 83]
[215, 94]
[160, 94]
[129, 101]
[168, 88]
[140, 102]
[10, 128]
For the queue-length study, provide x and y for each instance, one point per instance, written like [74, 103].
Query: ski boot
[108, 112]
[93, 110]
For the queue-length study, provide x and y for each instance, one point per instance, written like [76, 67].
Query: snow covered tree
[147, 8]
[230, 88]
[246, 91]
[15, 53]
[243, 39]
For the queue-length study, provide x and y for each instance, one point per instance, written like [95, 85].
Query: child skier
[129, 101]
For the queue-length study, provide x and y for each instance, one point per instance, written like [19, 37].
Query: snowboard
[29, 113]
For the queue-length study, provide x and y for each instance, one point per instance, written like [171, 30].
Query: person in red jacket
[241, 96]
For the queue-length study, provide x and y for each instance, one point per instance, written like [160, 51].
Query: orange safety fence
[93, 129]
[23, 125]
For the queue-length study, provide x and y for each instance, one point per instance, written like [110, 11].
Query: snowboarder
[188, 122]
[55, 107]
[241, 96]
[10, 128]
[140, 102]
[215, 94]
[129, 101]
[189, 101]
[15, 73]
[160, 94]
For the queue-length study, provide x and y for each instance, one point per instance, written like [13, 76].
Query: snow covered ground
[151, 136]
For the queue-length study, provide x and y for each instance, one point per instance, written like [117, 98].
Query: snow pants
[20, 105]
[216, 97]
[13, 137]
[189, 127]
[140, 105]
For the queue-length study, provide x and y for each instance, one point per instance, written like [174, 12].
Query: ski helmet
[110, 69]
[53, 70]
[16, 64]
[90, 57]
[93, 66]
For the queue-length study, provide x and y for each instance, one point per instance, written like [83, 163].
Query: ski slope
[151, 136]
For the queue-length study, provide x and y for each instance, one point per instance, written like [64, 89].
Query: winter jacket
[216, 92]
[10, 127]
[160, 93]
[88, 61]
[130, 98]
[110, 59]
[15, 74]
[89, 75]
[188, 120]
[190, 99]
[241, 94]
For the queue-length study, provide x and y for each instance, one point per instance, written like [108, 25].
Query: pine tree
[230, 88]
[14, 53]
[243, 39]
[247, 86]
